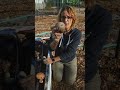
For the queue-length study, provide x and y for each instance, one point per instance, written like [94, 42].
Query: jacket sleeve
[72, 47]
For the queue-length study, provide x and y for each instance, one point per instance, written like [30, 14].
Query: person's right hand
[40, 76]
[48, 61]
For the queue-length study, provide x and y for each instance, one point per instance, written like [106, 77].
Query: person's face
[66, 19]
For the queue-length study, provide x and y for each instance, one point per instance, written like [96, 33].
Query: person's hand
[48, 61]
[40, 76]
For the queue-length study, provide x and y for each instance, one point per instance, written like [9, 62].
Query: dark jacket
[98, 23]
[67, 46]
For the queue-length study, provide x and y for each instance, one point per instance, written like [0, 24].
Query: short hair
[70, 10]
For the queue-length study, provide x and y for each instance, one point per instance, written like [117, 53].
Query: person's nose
[66, 20]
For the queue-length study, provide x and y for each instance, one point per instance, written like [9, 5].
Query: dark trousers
[94, 83]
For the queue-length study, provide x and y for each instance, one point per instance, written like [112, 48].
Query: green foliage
[73, 2]
[49, 4]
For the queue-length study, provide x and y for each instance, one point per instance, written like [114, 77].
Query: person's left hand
[48, 61]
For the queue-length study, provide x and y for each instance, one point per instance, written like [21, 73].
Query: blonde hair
[70, 10]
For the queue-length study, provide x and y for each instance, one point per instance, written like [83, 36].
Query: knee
[70, 82]
[57, 79]
[70, 79]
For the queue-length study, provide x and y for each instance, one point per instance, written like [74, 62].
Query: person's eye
[68, 17]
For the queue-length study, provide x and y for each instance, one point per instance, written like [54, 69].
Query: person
[64, 61]
[98, 23]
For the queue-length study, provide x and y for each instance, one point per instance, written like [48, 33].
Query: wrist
[53, 59]
[56, 59]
